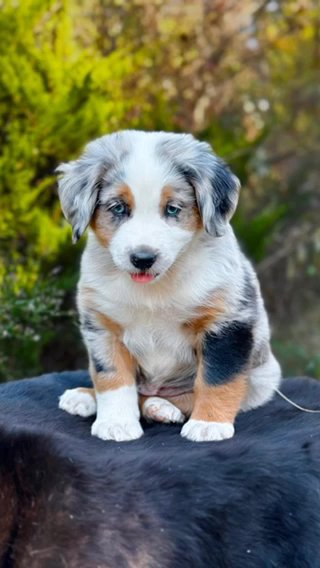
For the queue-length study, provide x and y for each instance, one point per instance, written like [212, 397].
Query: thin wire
[296, 405]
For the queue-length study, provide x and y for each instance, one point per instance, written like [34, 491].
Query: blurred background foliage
[242, 75]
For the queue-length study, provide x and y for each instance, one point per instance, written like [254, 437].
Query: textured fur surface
[68, 500]
[168, 303]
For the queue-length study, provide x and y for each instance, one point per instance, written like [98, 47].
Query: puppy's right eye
[119, 209]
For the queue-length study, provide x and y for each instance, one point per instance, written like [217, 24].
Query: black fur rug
[70, 500]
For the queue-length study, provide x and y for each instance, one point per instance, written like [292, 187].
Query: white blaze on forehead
[146, 175]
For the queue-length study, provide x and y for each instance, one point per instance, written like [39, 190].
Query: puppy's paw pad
[202, 431]
[76, 401]
[119, 432]
[161, 410]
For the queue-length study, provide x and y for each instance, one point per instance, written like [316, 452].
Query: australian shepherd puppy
[171, 311]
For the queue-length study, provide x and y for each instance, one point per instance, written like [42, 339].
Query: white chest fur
[161, 348]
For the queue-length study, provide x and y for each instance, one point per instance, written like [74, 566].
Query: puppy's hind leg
[160, 410]
[263, 380]
[79, 401]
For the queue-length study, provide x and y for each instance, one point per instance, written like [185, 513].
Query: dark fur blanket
[70, 500]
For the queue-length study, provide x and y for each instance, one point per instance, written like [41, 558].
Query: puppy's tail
[295, 404]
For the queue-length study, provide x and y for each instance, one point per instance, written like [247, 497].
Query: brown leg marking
[108, 323]
[184, 402]
[88, 302]
[218, 403]
[205, 316]
[122, 372]
[89, 391]
[142, 400]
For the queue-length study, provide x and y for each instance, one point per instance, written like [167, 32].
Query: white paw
[78, 402]
[118, 431]
[202, 431]
[161, 410]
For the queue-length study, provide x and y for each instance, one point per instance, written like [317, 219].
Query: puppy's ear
[217, 192]
[78, 189]
[216, 187]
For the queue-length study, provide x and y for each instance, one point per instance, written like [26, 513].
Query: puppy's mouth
[143, 277]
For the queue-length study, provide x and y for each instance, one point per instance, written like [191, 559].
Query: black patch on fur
[224, 187]
[76, 236]
[223, 194]
[99, 366]
[69, 499]
[188, 174]
[89, 325]
[226, 353]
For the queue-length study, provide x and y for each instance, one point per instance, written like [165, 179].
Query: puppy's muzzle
[143, 258]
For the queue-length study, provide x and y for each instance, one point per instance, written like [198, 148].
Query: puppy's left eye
[172, 210]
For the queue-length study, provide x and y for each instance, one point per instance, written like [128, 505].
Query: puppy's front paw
[79, 402]
[117, 431]
[202, 431]
[161, 410]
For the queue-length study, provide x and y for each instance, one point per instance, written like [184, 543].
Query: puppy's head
[146, 195]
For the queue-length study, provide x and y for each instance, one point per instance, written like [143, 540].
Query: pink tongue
[143, 278]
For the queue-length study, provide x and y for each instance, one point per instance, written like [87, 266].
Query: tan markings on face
[101, 224]
[124, 192]
[205, 316]
[189, 217]
[123, 370]
[192, 220]
[167, 195]
[218, 403]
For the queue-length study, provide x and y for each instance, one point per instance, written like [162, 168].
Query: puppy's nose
[143, 258]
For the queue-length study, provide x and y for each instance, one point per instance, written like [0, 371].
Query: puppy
[171, 311]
